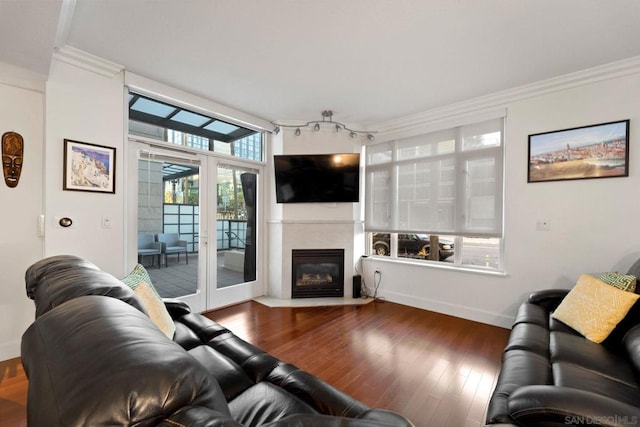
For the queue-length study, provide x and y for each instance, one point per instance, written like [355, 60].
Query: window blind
[448, 182]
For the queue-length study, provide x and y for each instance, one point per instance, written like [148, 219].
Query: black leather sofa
[93, 357]
[553, 376]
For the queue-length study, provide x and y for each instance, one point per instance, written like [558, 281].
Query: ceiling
[369, 61]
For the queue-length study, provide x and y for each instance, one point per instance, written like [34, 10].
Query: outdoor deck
[179, 278]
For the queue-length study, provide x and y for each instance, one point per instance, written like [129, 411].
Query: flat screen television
[317, 178]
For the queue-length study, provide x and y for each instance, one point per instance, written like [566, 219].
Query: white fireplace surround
[300, 234]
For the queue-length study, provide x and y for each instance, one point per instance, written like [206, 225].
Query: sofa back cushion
[53, 281]
[99, 361]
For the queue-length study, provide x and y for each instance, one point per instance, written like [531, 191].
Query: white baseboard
[500, 320]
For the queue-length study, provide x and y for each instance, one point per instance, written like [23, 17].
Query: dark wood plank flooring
[437, 370]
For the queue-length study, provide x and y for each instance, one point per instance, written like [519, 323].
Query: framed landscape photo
[89, 167]
[594, 151]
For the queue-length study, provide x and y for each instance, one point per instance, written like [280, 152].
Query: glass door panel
[169, 212]
[235, 226]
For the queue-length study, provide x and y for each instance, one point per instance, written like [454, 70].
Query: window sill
[439, 265]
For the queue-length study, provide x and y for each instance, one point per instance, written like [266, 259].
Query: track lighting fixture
[327, 117]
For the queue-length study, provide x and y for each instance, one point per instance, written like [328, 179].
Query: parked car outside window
[411, 245]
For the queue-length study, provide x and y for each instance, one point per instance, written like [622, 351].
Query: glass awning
[172, 171]
[158, 113]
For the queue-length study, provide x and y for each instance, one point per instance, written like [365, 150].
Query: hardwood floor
[437, 370]
[13, 394]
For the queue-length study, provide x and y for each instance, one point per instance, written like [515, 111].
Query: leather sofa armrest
[548, 298]
[198, 416]
[176, 307]
[553, 405]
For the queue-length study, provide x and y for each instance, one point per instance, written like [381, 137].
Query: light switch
[543, 225]
[106, 221]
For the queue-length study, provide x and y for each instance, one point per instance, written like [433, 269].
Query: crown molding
[79, 58]
[503, 98]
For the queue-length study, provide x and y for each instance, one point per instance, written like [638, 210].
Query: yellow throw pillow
[156, 309]
[140, 282]
[594, 308]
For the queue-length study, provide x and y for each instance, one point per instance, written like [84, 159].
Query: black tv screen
[317, 178]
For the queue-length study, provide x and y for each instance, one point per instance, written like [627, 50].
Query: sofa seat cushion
[519, 368]
[577, 350]
[577, 377]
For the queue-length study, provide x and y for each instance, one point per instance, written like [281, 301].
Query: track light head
[298, 132]
[276, 130]
[352, 134]
[316, 127]
[338, 128]
[370, 137]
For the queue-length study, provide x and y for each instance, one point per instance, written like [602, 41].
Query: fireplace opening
[317, 273]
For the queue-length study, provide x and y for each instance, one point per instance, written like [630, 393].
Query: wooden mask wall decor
[12, 154]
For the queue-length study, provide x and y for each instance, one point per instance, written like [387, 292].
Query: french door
[210, 208]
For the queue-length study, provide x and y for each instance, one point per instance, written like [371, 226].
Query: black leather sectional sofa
[93, 357]
[553, 376]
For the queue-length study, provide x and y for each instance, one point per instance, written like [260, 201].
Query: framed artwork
[89, 167]
[594, 151]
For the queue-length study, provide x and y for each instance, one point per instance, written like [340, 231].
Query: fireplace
[317, 273]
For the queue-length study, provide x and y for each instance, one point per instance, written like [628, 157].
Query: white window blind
[448, 182]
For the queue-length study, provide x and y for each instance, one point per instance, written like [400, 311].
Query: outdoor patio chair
[171, 244]
[148, 246]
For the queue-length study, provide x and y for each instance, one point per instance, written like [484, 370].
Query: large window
[155, 119]
[442, 189]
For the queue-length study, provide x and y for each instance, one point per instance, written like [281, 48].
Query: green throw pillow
[140, 282]
[620, 281]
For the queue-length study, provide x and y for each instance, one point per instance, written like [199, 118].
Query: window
[443, 188]
[155, 119]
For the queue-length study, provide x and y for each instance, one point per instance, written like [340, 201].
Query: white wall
[89, 107]
[594, 223]
[22, 111]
